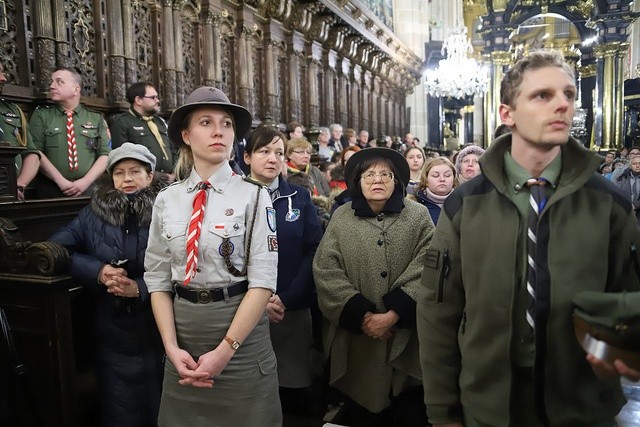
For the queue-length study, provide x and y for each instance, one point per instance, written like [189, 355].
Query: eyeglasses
[151, 97]
[370, 177]
[302, 152]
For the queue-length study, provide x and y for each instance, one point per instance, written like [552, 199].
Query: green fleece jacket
[465, 307]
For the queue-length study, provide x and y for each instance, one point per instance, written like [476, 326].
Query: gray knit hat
[131, 151]
[471, 149]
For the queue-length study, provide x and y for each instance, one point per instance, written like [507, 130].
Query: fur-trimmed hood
[113, 205]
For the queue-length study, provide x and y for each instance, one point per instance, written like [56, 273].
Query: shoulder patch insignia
[272, 242]
[271, 219]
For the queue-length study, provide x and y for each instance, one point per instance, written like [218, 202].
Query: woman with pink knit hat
[467, 165]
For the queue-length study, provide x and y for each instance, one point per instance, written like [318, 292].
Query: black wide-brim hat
[395, 157]
[204, 96]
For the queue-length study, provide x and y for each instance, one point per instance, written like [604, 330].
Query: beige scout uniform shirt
[228, 213]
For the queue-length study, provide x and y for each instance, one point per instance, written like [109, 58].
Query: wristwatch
[233, 343]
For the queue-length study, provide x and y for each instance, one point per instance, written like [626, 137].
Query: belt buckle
[203, 297]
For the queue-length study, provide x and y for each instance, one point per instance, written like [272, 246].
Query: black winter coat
[114, 229]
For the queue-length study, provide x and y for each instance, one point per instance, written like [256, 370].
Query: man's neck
[533, 158]
[140, 112]
[69, 105]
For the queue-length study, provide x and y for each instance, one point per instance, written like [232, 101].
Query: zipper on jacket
[443, 275]
[634, 259]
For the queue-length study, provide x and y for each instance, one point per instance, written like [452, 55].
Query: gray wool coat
[366, 264]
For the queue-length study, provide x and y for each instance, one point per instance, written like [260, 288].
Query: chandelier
[457, 75]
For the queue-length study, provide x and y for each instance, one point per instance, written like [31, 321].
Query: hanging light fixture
[456, 76]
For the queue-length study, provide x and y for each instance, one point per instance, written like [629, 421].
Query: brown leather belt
[595, 342]
[205, 296]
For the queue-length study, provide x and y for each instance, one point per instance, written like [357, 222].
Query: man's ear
[504, 111]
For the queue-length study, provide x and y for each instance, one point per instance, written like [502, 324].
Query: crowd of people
[434, 288]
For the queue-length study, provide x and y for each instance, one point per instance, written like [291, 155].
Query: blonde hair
[295, 143]
[430, 164]
[184, 164]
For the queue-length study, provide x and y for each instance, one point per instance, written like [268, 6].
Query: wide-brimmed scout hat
[395, 157]
[607, 325]
[131, 151]
[206, 95]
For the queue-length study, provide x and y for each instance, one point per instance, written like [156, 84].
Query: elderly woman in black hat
[107, 242]
[367, 273]
[211, 268]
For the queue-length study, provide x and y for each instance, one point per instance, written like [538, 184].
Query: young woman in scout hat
[107, 241]
[367, 274]
[211, 266]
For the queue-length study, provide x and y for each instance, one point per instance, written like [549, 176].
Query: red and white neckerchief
[195, 227]
[72, 148]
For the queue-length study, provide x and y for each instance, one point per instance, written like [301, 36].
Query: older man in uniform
[73, 141]
[142, 125]
[13, 130]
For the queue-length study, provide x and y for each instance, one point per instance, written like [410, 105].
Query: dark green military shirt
[48, 128]
[13, 129]
[131, 127]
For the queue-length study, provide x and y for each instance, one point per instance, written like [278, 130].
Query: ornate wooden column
[216, 19]
[343, 103]
[328, 107]
[118, 84]
[245, 64]
[365, 102]
[271, 80]
[169, 55]
[355, 106]
[45, 47]
[314, 56]
[295, 47]
[208, 56]
[179, 52]
[129, 50]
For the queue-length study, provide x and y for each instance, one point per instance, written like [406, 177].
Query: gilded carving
[582, 8]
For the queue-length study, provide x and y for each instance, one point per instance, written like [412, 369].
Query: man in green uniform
[142, 125]
[13, 130]
[73, 141]
[512, 249]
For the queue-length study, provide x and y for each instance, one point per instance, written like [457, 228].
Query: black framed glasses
[151, 96]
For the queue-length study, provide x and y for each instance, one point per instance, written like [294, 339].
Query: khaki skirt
[246, 391]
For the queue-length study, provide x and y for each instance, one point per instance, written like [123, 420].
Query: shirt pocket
[54, 137]
[225, 236]
[11, 125]
[88, 137]
[175, 235]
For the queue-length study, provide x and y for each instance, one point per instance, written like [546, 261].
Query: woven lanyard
[195, 227]
[153, 127]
